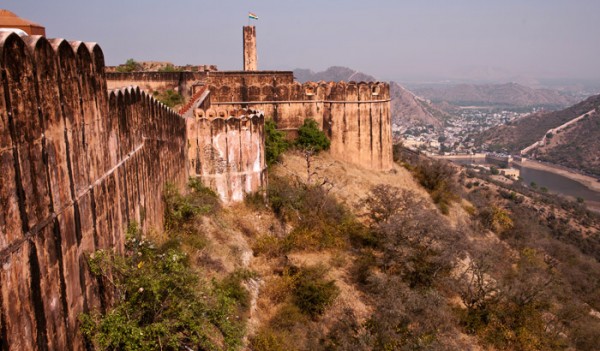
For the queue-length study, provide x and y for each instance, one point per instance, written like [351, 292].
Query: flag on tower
[252, 16]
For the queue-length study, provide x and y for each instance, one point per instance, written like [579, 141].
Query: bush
[495, 219]
[439, 179]
[169, 97]
[318, 220]
[180, 210]
[313, 294]
[268, 340]
[275, 142]
[256, 200]
[160, 303]
[311, 137]
[130, 66]
[385, 201]
[232, 287]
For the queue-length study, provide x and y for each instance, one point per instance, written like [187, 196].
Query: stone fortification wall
[244, 78]
[356, 116]
[77, 165]
[227, 151]
[184, 82]
[151, 81]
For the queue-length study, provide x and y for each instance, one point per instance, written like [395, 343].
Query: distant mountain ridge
[505, 95]
[407, 109]
[332, 74]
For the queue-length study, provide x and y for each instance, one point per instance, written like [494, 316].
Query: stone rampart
[181, 82]
[184, 82]
[227, 151]
[77, 165]
[355, 116]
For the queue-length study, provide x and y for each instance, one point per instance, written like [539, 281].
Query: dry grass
[351, 183]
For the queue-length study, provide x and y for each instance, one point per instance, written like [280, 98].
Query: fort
[85, 153]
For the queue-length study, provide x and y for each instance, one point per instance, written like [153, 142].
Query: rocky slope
[502, 95]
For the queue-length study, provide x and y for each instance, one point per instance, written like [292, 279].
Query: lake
[555, 183]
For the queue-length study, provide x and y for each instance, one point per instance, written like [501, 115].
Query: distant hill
[576, 147]
[501, 95]
[407, 109]
[332, 74]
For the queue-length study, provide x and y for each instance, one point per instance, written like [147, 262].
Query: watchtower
[250, 59]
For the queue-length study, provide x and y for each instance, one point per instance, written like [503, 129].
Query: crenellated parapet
[78, 165]
[226, 151]
[355, 116]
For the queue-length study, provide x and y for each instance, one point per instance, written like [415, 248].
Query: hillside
[525, 131]
[501, 95]
[577, 147]
[407, 109]
[355, 259]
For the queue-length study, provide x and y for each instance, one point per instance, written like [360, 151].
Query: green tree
[275, 142]
[130, 66]
[310, 136]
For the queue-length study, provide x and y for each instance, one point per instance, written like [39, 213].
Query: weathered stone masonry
[355, 116]
[227, 152]
[77, 164]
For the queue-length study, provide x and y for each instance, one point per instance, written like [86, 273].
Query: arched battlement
[309, 89]
[97, 54]
[351, 92]
[15, 56]
[211, 113]
[296, 92]
[338, 91]
[222, 113]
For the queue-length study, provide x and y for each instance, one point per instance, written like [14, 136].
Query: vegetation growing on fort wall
[169, 97]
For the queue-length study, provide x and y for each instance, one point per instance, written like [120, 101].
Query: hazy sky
[391, 39]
